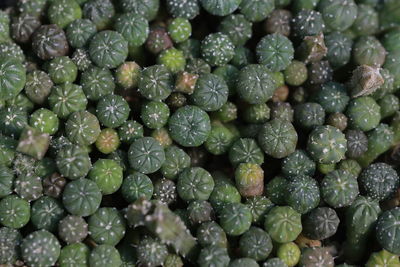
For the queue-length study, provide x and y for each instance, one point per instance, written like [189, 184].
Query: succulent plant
[220, 7]
[200, 211]
[213, 256]
[303, 193]
[289, 253]
[49, 41]
[307, 22]
[15, 211]
[34, 143]
[81, 197]
[309, 115]
[107, 174]
[46, 213]
[278, 138]
[10, 240]
[339, 49]
[386, 230]
[320, 223]
[105, 255]
[147, 9]
[379, 181]
[283, 224]
[381, 258]
[165, 191]
[72, 229]
[74, 254]
[97, 82]
[187, 9]
[316, 256]
[327, 144]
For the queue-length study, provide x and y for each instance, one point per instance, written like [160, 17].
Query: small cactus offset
[33, 143]
[387, 229]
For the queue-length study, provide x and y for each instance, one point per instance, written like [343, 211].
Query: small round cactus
[176, 160]
[224, 192]
[62, 70]
[188, 9]
[243, 262]
[237, 28]
[210, 233]
[73, 162]
[210, 92]
[112, 110]
[275, 51]
[44, 120]
[108, 49]
[235, 218]
[49, 41]
[327, 144]
[387, 228]
[219, 140]
[189, 126]
[339, 49]
[155, 83]
[200, 211]
[296, 73]
[133, 27]
[46, 213]
[289, 253]
[40, 248]
[127, 75]
[213, 256]
[357, 143]
[173, 59]
[255, 244]
[10, 240]
[369, 51]
[332, 97]
[245, 150]
[15, 211]
[106, 226]
[255, 84]
[283, 224]
[309, 115]
[259, 207]
[338, 15]
[81, 197]
[275, 190]
[146, 155]
[108, 141]
[303, 193]
[74, 254]
[382, 258]
[165, 191]
[278, 138]
[105, 255]
[307, 23]
[320, 223]
[62, 12]
[137, 185]
[316, 256]
[379, 181]
[151, 252]
[23, 26]
[129, 131]
[14, 78]
[97, 82]
[249, 179]
[258, 10]
[72, 229]
[339, 188]
[274, 262]
[79, 32]
[298, 163]
[217, 49]
[38, 86]
[220, 7]
[195, 184]
[67, 98]
[82, 128]
[107, 174]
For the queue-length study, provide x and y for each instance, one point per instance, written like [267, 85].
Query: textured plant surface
[211, 133]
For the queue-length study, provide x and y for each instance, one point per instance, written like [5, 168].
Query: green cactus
[339, 49]
[296, 73]
[74, 255]
[332, 97]
[106, 226]
[200, 211]
[10, 240]
[351, 166]
[34, 143]
[316, 256]
[278, 138]
[380, 140]
[387, 228]
[307, 22]
[146, 155]
[367, 50]
[237, 28]
[15, 211]
[289, 253]
[255, 244]
[72, 229]
[28, 186]
[73, 162]
[259, 206]
[275, 190]
[255, 84]
[379, 181]
[107, 141]
[136, 185]
[46, 213]
[357, 143]
[40, 248]
[44, 120]
[81, 197]
[320, 223]
[165, 191]
[303, 193]
[309, 115]
[338, 15]
[211, 234]
[217, 49]
[105, 255]
[382, 258]
[274, 262]
[256, 11]
[220, 7]
[283, 224]
[339, 188]
[180, 30]
[49, 41]
[187, 10]
[213, 256]
[195, 184]
[327, 144]
[235, 218]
